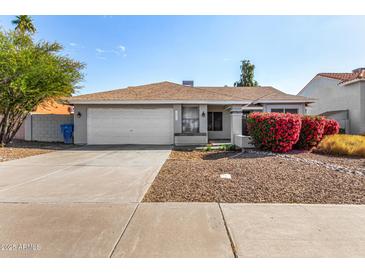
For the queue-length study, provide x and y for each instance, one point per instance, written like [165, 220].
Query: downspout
[31, 127]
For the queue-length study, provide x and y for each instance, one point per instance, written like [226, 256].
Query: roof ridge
[214, 92]
[172, 91]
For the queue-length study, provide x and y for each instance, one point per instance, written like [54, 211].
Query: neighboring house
[169, 113]
[340, 96]
[43, 123]
[53, 107]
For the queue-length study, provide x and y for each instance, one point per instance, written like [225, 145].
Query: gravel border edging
[339, 168]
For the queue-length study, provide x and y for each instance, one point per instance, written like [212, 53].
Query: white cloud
[119, 51]
[121, 47]
[72, 44]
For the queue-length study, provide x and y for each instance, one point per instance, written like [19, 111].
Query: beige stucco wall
[45, 127]
[330, 97]
[362, 108]
[191, 140]
[80, 124]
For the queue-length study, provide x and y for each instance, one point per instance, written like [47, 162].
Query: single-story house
[173, 114]
[340, 96]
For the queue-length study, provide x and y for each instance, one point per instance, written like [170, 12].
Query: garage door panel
[130, 126]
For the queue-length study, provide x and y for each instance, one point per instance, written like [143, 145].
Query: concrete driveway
[89, 174]
[73, 203]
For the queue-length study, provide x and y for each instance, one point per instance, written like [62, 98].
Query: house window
[215, 121]
[285, 110]
[190, 119]
[291, 110]
[281, 110]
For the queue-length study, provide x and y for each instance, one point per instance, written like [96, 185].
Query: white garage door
[129, 126]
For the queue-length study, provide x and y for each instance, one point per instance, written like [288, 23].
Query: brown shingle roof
[170, 91]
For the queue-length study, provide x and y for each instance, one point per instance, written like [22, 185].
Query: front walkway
[86, 203]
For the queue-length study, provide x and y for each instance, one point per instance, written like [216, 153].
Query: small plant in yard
[343, 144]
[208, 147]
[331, 127]
[312, 131]
[227, 147]
[277, 132]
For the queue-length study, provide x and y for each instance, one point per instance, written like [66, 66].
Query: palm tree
[24, 23]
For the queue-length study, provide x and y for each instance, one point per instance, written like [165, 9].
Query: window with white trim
[285, 110]
[190, 119]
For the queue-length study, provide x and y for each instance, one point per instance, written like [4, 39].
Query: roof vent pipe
[188, 83]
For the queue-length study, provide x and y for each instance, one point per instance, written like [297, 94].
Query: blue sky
[288, 51]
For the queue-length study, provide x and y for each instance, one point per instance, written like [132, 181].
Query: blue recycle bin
[67, 131]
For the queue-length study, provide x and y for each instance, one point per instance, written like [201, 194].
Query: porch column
[236, 122]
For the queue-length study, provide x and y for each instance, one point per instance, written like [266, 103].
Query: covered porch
[213, 124]
[221, 123]
[227, 121]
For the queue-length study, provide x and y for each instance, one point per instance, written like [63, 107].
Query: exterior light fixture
[203, 114]
[78, 114]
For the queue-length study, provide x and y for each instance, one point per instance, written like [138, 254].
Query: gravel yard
[194, 176]
[22, 149]
[346, 161]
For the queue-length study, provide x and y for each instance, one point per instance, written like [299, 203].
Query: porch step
[219, 142]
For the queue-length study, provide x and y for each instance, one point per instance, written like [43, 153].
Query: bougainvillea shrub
[312, 131]
[277, 132]
[331, 127]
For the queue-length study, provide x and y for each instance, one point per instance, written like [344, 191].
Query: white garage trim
[153, 126]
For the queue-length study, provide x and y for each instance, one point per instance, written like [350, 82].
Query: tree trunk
[9, 126]
[3, 127]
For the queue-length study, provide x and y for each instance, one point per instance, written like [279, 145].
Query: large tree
[24, 23]
[247, 75]
[31, 73]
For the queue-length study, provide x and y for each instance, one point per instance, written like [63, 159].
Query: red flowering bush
[331, 127]
[312, 131]
[277, 132]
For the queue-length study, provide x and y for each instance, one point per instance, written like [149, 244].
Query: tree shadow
[233, 155]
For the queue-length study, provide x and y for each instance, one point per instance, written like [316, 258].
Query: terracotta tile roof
[356, 74]
[170, 91]
[53, 107]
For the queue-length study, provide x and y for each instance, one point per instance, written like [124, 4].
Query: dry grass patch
[343, 144]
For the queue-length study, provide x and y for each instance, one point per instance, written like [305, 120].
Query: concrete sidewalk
[286, 230]
[183, 230]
